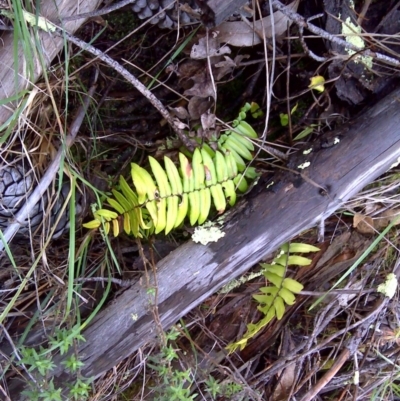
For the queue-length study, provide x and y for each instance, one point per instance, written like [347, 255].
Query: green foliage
[40, 363]
[80, 390]
[163, 197]
[279, 292]
[35, 360]
[48, 394]
[174, 384]
[305, 132]
[73, 364]
[230, 389]
[215, 388]
[285, 118]
[63, 339]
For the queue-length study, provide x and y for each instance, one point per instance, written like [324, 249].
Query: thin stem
[135, 82]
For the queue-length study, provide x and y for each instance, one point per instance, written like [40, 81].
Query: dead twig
[296, 355]
[328, 376]
[350, 349]
[121, 283]
[301, 22]
[304, 44]
[189, 144]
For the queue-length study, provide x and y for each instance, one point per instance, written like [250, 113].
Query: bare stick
[301, 22]
[136, 83]
[121, 283]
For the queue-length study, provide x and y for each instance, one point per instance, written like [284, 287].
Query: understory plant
[39, 363]
[176, 384]
[160, 199]
[280, 290]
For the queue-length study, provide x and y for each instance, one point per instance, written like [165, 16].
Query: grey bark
[368, 146]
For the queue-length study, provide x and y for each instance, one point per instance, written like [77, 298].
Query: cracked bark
[369, 145]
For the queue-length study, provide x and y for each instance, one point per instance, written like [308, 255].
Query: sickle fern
[280, 290]
[161, 199]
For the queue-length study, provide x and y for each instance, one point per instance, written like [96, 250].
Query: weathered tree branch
[368, 146]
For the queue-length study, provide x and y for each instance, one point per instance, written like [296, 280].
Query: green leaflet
[173, 194]
[161, 197]
[279, 292]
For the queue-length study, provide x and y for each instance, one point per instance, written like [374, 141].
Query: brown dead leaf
[210, 48]
[385, 336]
[225, 67]
[286, 380]
[179, 112]
[386, 217]
[207, 121]
[363, 224]
[198, 106]
[203, 86]
[345, 255]
[241, 34]
[100, 21]
[189, 10]
[189, 68]
[287, 376]
[344, 250]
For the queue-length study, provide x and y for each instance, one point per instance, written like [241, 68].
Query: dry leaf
[363, 224]
[180, 124]
[100, 21]
[227, 66]
[179, 112]
[198, 106]
[344, 299]
[241, 34]
[286, 380]
[210, 49]
[223, 68]
[386, 217]
[207, 121]
[202, 87]
[227, 63]
[189, 67]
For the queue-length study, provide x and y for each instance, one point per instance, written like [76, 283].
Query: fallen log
[341, 164]
[50, 45]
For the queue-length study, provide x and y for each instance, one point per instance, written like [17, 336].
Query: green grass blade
[358, 261]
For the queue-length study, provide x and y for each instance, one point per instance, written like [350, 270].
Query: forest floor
[299, 84]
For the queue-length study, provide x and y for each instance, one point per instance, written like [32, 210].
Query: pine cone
[16, 185]
[166, 19]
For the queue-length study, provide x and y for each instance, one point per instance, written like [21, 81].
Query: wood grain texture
[260, 223]
[51, 46]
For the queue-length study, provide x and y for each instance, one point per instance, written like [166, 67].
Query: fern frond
[161, 199]
[279, 292]
[172, 194]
